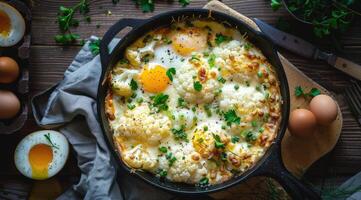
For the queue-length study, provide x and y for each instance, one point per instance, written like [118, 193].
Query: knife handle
[348, 67]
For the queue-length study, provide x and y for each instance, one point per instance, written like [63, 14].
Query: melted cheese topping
[194, 103]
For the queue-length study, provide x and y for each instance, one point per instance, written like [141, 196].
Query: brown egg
[9, 104]
[9, 70]
[302, 122]
[324, 108]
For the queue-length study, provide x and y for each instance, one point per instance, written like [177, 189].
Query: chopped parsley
[249, 136]
[221, 79]
[205, 128]
[182, 103]
[184, 3]
[171, 159]
[217, 142]
[212, 60]
[94, 46]
[180, 134]
[133, 84]
[130, 106]
[197, 86]
[220, 38]
[247, 46]
[207, 108]
[170, 72]
[259, 74]
[234, 139]
[162, 173]
[163, 149]
[160, 101]
[204, 181]
[236, 87]
[231, 117]
[254, 123]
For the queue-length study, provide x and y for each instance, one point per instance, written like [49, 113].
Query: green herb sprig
[94, 47]
[300, 92]
[48, 138]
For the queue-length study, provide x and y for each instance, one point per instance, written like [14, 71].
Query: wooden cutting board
[298, 154]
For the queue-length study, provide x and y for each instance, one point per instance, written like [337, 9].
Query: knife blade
[308, 50]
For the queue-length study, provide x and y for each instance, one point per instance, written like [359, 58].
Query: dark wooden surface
[49, 61]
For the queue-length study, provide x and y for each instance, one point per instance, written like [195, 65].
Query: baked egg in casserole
[195, 102]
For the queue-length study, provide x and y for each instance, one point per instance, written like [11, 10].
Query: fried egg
[41, 154]
[201, 103]
[12, 25]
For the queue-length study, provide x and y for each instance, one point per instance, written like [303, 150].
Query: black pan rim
[273, 149]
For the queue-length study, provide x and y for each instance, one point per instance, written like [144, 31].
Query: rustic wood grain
[49, 61]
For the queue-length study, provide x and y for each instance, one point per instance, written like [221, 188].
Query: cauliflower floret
[135, 56]
[186, 170]
[139, 158]
[121, 82]
[184, 81]
[140, 125]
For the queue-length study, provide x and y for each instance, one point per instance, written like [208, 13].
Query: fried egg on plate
[41, 154]
[12, 25]
[201, 104]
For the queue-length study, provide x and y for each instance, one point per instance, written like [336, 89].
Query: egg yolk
[40, 157]
[154, 79]
[187, 41]
[5, 24]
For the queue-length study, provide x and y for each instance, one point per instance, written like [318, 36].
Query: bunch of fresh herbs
[148, 5]
[327, 16]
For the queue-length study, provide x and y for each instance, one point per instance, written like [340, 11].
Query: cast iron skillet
[269, 165]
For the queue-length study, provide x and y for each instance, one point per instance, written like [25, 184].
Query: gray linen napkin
[70, 106]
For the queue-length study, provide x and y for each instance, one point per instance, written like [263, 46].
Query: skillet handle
[274, 168]
[111, 33]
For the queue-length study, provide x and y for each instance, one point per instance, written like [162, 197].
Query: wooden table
[49, 61]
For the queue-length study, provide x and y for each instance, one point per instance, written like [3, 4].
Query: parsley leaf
[133, 84]
[212, 60]
[197, 86]
[204, 181]
[184, 3]
[217, 142]
[163, 149]
[66, 38]
[220, 38]
[299, 91]
[145, 5]
[276, 4]
[170, 72]
[94, 46]
[171, 159]
[182, 103]
[160, 101]
[234, 139]
[180, 134]
[162, 173]
[314, 92]
[231, 117]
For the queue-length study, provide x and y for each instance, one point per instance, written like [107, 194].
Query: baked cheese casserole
[195, 102]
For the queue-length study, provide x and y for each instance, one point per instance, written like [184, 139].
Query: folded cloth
[70, 106]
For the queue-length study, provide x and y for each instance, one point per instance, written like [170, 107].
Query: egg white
[60, 155]
[17, 28]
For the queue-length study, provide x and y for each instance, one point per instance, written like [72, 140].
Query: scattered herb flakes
[194, 57]
[130, 106]
[180, 134]
[47, 137]
[221, 79]
[205, 128]
[133, 85]
[249, 136]
[204, 181]
[94, 46]
[231, 117]
[217, 142]
[171, 159]
[247, 46]
[220, 38]
[212, 60]
[160, 101]
[234, 139]
[299, 91]
[207, 108]
[163, 173]
[197, 86]
[163, 149]
[140, 100]
[314, 92]
[181, 103]
[170, 72]
[236, 87]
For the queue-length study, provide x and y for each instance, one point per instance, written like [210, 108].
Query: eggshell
[324, 108]
[302, 122]
[9, 104]
[9, 70]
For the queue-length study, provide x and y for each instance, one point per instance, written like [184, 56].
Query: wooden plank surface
[49, 61]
